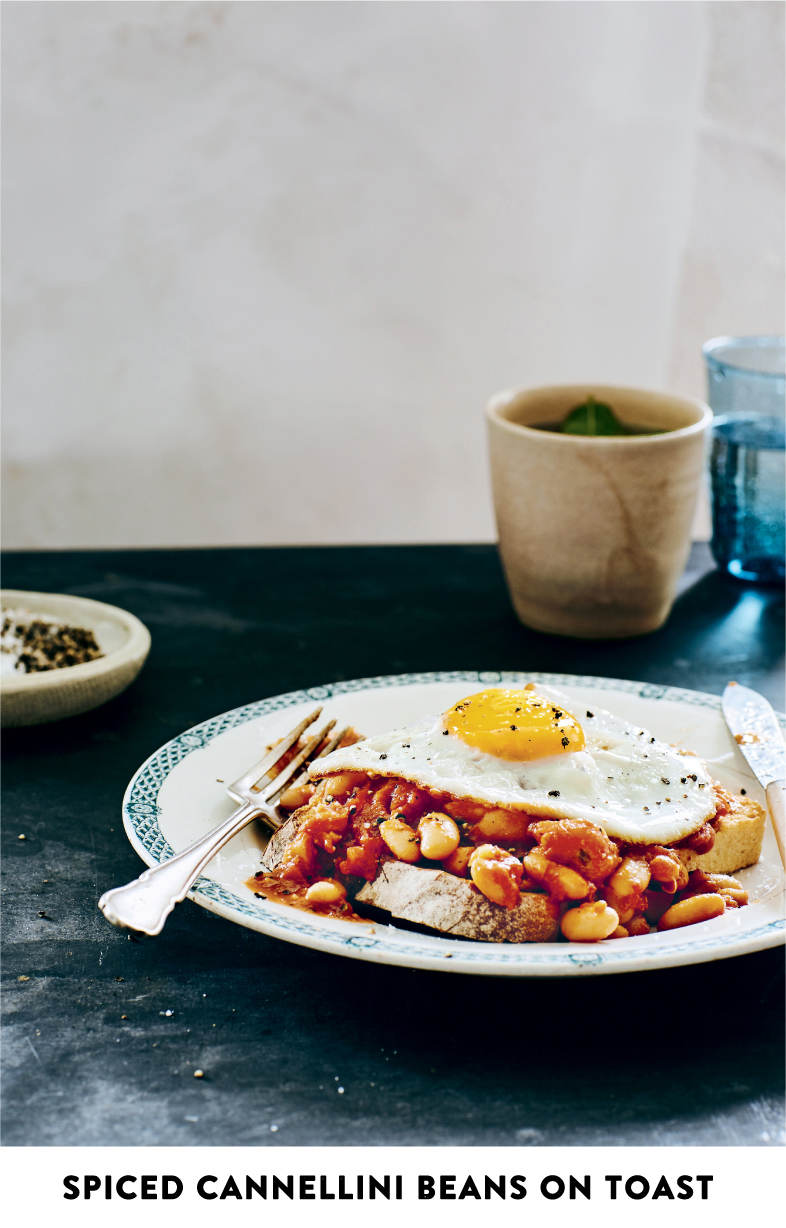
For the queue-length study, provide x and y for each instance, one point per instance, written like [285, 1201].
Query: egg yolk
[514, 725]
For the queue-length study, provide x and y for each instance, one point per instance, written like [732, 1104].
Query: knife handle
[776, 801]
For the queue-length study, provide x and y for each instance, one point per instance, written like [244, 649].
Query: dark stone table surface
[684, 1056]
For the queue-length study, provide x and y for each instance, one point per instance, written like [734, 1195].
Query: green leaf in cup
[593, 418]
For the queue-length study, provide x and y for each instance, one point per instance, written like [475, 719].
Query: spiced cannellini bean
[439, 836]
[295, 796]
[733, 895]
[563, 882]
[326, 891]
[504, 826]
[669, 872]
[340, 785]
[730, 888]
[631, 877]
[689, 912]
[496, 874]
[722, 881]
[401, 839]
[624, 890]
[590, 922]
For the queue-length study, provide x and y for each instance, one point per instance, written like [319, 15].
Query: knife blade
[755, 728]
[757, 733]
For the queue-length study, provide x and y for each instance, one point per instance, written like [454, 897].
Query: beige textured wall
[263, 263]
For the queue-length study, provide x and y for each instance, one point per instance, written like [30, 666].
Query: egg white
[631, 784]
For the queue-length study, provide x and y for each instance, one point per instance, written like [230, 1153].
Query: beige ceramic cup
[594, 532]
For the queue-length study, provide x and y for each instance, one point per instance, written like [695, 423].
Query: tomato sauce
[284, 891]
[340, 838]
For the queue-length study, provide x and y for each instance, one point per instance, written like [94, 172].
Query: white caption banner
[336, 1187]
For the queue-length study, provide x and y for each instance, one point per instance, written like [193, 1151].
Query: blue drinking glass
[746, 378]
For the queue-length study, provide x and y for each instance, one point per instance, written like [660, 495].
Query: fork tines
[329, 746]
[270, 791]
[268, 762]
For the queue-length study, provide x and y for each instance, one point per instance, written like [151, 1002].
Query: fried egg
[534, 749]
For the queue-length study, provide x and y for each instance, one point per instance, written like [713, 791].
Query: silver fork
[144, 904]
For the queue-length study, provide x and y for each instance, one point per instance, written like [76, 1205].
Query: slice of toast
[279, 842]
[738, 838]
[452, 905]
[439, 900]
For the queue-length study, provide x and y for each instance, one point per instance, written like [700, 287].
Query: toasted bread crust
[452, 905]
[279, 842]
[738, 838]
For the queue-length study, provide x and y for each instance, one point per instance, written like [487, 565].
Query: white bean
[590, 922]
[326, 891]
[439, 836]
[401, 839]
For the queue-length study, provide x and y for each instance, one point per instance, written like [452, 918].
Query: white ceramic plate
[178, 794]
[52, 694]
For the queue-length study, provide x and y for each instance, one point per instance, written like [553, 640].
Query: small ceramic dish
[32, 699]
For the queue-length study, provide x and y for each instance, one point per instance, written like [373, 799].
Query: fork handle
[144, 904]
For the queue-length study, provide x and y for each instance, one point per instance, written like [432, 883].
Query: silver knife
[755, 728]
